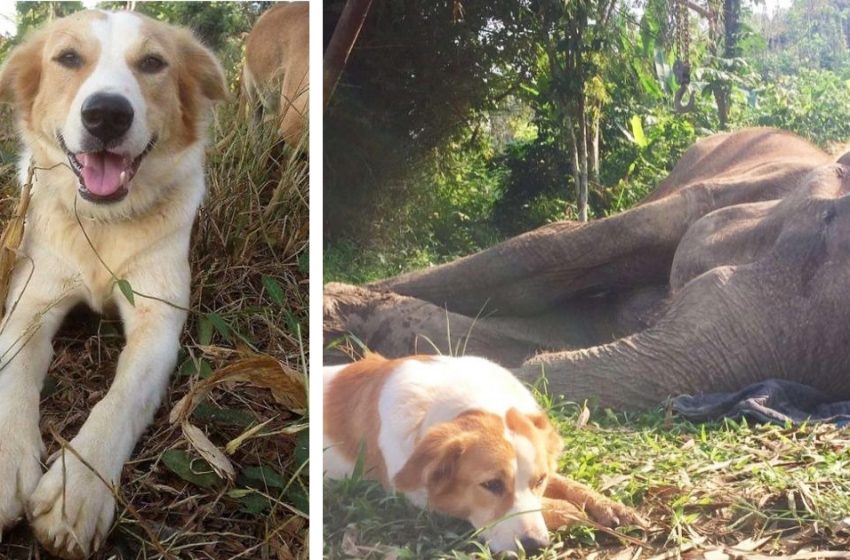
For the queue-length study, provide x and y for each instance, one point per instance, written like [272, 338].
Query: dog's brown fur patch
[351, 410]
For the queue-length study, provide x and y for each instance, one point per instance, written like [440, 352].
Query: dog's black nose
[530, 544]
[107, 116]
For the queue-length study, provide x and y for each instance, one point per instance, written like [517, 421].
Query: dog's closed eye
[494, 486]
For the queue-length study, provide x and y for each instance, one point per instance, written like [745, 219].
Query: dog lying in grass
[112, 112]
[461, 436]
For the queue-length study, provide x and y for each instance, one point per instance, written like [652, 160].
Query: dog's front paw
[599, 508]
[606, 511]
[20, 470]
[71, 510]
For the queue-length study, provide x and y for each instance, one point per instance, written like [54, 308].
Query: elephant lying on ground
[735, 269]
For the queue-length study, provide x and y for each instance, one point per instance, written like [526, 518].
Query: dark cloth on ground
[776, 401]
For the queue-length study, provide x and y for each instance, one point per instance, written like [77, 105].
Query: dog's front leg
[600, 508]
[35, 306]
[72, 509]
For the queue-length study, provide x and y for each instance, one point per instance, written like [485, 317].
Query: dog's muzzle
[104, 175]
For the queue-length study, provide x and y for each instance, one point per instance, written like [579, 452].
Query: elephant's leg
[730, 327]
[697, 346]
[395, 326]
[398, 325]
[530, 273]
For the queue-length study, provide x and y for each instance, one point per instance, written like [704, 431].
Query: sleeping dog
[112, 112]
[461, 436]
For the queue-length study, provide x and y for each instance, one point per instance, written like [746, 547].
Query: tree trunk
[574, 152]
[342, 41]
[594, 151]
[721, 99]
[582, 155]
[731, 27]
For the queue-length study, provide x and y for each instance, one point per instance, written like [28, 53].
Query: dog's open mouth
[104, 176]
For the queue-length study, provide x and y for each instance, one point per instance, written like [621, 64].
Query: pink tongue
[102, 172]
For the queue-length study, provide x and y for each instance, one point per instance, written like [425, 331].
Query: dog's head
[107, 92]
[490, 471]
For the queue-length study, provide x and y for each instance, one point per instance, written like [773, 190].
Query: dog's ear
[201, 69]
[20, 76]
[434, 461]
[554, 442]
[538, 427]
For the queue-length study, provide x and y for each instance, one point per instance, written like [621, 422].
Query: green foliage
[811, 34]
[347, 261]
[813, 103]
[413, 178]
[456, 211]
[33, 14]
[417, 79]
[537, 180]
[634, 168]
[446, 214]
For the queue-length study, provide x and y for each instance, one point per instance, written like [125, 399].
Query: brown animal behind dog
[275, 73]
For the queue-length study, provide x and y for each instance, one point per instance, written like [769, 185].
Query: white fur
[525, 516]
[450, 386]
[115, 34]
[60, 269]
[440, 389]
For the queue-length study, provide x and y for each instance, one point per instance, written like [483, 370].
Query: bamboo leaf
[127, 290]
[181, 464]
[637, 132]
[220, 325]
[274, 289]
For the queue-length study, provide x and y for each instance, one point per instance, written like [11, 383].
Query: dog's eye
[151, 64]
[494, 486]
[69, 58]
[540, 481]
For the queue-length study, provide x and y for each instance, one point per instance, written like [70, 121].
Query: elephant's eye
[540, 481]
[69, 58]
[495, 486]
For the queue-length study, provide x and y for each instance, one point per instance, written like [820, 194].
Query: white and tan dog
[461, 436]
[112, 110]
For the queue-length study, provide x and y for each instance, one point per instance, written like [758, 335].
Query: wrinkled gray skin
[736, 269]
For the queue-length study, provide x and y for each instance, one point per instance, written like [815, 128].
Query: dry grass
[249, 263]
